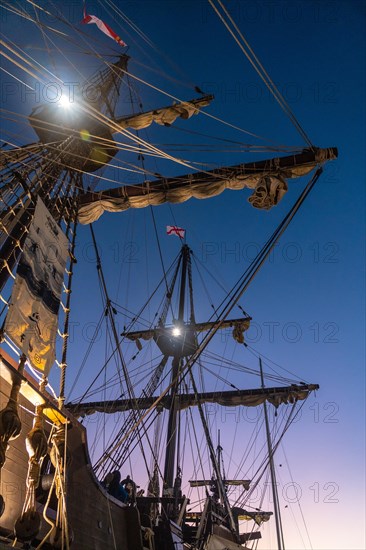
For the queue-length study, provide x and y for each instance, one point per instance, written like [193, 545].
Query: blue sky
[308, 301]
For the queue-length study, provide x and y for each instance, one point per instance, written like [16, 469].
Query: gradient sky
[308, 301]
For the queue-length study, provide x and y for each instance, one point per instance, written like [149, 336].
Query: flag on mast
[175, 230]
[103, 27]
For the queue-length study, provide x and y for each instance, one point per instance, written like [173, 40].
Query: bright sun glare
[64, 102]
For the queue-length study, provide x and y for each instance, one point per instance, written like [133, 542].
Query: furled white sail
[166, 115]
[267, 179]
[247, 398]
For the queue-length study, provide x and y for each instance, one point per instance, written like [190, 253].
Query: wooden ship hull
[97, 520]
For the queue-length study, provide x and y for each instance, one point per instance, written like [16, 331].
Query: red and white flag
[175, 230]
[103, 27]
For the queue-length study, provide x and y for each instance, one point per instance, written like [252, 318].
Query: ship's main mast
[171, 440]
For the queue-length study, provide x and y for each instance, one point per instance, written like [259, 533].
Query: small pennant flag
[175, 230]
[103, 27]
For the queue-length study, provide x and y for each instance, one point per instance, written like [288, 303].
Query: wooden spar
[196, 327]
[200, 102]
[287, 393]
[289, 167]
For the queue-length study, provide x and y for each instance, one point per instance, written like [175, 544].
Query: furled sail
[31, 322]
[239, 327]
[246, 398]
[204, 482]
[258, 516]
[166, 115]
[267, 178]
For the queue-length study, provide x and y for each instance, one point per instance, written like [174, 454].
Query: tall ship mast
[129, 489]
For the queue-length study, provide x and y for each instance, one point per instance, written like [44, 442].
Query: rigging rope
[298, 499]
[254, 61]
